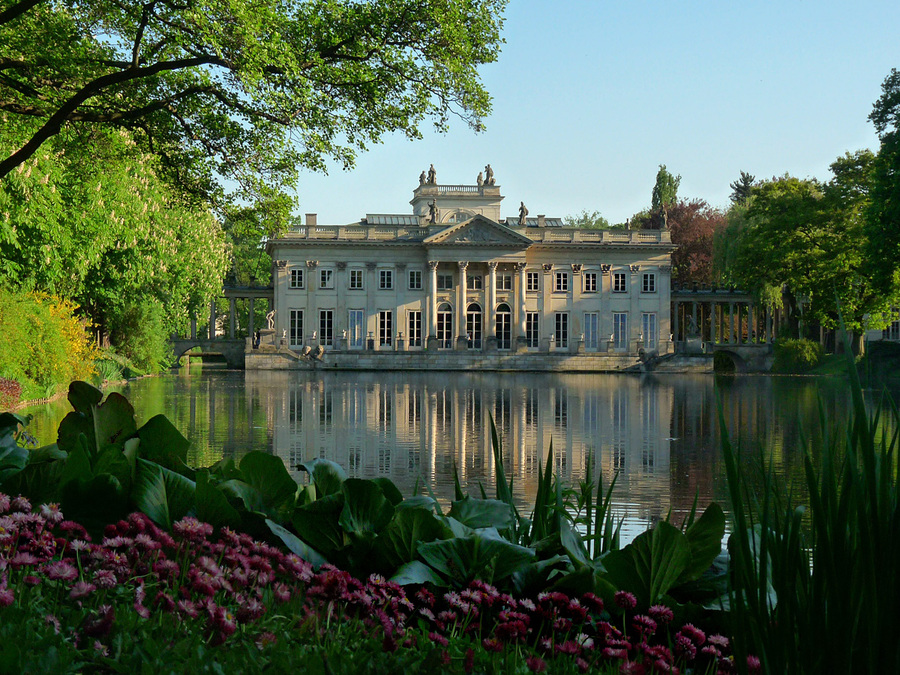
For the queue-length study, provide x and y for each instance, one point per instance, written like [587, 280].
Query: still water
[659, 433]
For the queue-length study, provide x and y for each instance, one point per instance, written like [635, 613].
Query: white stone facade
[454, 276]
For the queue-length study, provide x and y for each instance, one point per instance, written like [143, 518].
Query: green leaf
[416, 572]
[13, 458]
[705, 538]
[389, 489]
[317, 523]
[84, 397]
[296, 545]
[479, 513]
[162, 443]
[211, 504]
[251, 498]
[267, 473]
[165, 496]
[483, 555]
[366, 510]
[417, 502]
[399, 541]
[325, 474]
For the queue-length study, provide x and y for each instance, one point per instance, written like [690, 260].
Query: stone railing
[412, 233]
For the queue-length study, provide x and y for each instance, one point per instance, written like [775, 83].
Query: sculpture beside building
[455, 278]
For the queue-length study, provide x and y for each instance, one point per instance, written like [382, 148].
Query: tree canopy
[246, 91]
[693, 225]
[665, 191]
[589, 220]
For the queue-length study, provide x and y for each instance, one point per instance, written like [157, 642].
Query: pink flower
[694, 634]
[6, 596]
[51, 620]
[632, 668]
[23, 558]
[438, 639]
[51, 513]
[61, 571]
[661, 613]
[592, 601]
[192, 529]
[105, 579]
[266, 639]
[753, 664]
[535, 664]
[625, 600]
[492, 645]
[4, 503]
[719, 641]
[81, 589]
[21, 504]
[644, 624]
[582, 665]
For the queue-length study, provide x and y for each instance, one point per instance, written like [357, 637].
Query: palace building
[454, 277]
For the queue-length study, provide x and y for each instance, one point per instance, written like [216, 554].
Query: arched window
[473, 325]
[503, 329]
[445, 326]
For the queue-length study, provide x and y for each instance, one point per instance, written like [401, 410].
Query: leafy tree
[248, 91]
[693, 225]
[665, 191]
[883, 214]
[740, 189]
[587, 220]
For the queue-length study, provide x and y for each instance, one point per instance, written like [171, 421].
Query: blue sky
[591, 96]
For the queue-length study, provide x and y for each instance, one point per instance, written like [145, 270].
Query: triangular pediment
[478, 231]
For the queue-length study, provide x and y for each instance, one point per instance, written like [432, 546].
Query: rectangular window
[415, 280]
[562, 330]
[386, 280]
[532, 282]
[532, 334]
[590, 282]
[326, 278]
[444, 282]
[648, 282]
[649, 330]
[620, 330]
[326, 327]
[474, 282]
[591, 331]
[356, 280]
[619, 282]
[385, 327]
[296, 278]
[562, 282]
[357, 328]
[414, 328]
[296, 327]
[504, 282]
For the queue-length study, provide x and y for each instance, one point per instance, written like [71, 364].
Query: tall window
[474, 282]
[620, 330]
[473, 325]
[590, 282]
[648, 330]
[357, 328]
[385, 327]
[356, 280]
[504, 282]
[326, 327]
[445, 326]
[444, 282]
[415, 280]
[561, 284]
[591, 331]
[296, 278]
[561, 333]
[532, 334]
[532, 282]
[386, 280]
[619, 282]
[414, 327]
[296, 327]
[326, 278]
[648, 282]
[504, 327]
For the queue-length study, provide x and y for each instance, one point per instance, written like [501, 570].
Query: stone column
[490, 329]
[462, 300]
[677, 306]
[521, 286]
[232, 319]
[212, 319]
[250, 327]
[432, 299]
[731, 323]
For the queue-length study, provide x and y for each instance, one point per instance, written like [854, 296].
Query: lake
[658, 433]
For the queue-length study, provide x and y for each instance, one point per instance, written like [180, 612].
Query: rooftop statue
[480, 179]
[488, 175]
[432, 175]
[422, 178]
[432, 211]
[523, 214]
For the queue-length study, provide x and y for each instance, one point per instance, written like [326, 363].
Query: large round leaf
[366, 510]
[325, 474]
[162, 443]
[317, 523]
[399, 542]
[705, 537]
[165, 496]
[268, 474]
[296, 545]
[211, 504]
[483, 555]
[479, 513]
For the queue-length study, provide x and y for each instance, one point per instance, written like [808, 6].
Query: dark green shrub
[796, 356]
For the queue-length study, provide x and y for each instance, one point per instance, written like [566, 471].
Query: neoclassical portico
[455, 276]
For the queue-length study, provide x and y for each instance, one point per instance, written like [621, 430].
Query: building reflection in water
[415, 428]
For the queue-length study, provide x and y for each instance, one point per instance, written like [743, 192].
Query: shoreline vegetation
[348, 575]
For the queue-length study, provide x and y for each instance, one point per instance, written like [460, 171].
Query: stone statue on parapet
[488, 175]
[665, 222]
[432, 175]
[422, 178]
[432, 211]
[480, 179]
[270, 319]
[523, 214]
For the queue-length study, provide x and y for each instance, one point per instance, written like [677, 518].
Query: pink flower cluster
[235, 583]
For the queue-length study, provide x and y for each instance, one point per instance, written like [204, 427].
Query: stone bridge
[233, 349]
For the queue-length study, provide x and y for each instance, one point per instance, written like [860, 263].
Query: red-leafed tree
[693, 224]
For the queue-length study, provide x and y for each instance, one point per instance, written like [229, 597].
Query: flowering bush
[141, 597]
